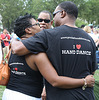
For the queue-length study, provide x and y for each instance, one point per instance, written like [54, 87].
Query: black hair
[21, 23]
[45, 11]
[82, 26]
[70, 8]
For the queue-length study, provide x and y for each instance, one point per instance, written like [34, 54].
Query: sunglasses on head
[45, 20]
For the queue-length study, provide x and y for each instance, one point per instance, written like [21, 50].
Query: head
[26, 26]
[5, 31]
[82, 26]
[91, 26]
[87, 29]
[45, 20]
[65, 12]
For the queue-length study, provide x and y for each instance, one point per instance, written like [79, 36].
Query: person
[82, 26]
[45, 20]
[25, 80]
[91, 26]
[6, 38]
[70, 50]
[87, 29]
[1, 52]
[1, 49]
[93, 35]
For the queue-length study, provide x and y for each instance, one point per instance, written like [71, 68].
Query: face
[57, 16]
[35, 28]
[44, 21]
[5, 31]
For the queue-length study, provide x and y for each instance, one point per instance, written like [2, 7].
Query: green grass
[1, 91]
[96, 76]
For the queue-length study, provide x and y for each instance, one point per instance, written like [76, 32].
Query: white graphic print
[16, 70]
[76, 48]
[75, 38]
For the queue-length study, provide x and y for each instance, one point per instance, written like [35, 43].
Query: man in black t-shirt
[70, 50]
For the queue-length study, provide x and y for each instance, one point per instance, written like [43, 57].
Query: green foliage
[11, 9]
[80, 22]
[89, 11]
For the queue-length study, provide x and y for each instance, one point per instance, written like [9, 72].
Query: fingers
[43, 97]
[90, 80]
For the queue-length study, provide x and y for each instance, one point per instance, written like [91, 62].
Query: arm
[34, 44]
[18, 48]
[49, 73]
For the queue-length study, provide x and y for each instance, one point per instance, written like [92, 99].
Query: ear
[51, 22]
[63, 14]
[28, 30]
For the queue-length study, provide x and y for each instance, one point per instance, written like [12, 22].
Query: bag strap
[6, 57]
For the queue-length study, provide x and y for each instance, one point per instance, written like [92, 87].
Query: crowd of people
[93, 32]
[64, 55]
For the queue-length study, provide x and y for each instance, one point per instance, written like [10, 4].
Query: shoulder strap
[7, 56]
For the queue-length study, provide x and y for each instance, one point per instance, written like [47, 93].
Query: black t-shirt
[23, 79]
[72, 53]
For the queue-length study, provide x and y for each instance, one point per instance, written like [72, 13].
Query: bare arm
[49, 73]
[18, 48]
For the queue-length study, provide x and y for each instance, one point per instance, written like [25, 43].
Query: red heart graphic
[78, 46]
[16, 69]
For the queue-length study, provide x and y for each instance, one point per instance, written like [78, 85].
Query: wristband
[85, 84]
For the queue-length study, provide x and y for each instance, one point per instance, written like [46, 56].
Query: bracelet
[85, 84]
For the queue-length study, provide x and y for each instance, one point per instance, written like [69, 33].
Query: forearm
[18, 48]
[67, 83]
[50, 74]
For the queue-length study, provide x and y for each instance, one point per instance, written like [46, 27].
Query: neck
[25, 36]
[71, 25]
[69, 22]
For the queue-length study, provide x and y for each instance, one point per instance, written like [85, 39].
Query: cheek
[38, 29]
[56, 22]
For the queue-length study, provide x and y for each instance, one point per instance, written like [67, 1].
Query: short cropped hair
[70, 8]
[21, 23]
[45, 11]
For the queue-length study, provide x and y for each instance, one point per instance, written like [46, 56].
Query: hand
[90, 80]
[43, 94]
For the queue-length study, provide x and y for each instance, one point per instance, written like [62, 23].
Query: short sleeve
[36, 43]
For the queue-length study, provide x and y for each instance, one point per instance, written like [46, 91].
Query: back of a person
[73, 59]
[23, 79]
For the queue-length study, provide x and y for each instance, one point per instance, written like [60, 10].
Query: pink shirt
[3, 36]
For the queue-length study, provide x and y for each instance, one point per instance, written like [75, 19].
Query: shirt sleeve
[36, 43]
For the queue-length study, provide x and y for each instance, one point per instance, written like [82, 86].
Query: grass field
[1, 91]
[96, 76]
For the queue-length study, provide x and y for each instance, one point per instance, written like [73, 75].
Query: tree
[89, 11]
[9, 10]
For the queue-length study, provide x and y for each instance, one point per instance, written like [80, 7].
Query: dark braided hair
[70, 8]
[21, 23]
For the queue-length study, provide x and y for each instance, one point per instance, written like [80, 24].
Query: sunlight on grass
[1, 91]
[96, 76]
